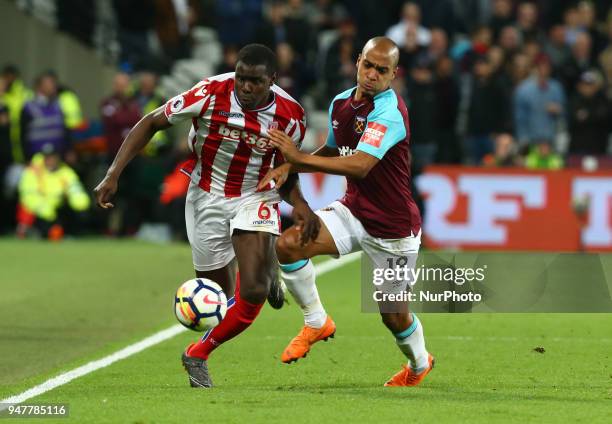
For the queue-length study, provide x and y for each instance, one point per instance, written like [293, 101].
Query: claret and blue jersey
[378, 126]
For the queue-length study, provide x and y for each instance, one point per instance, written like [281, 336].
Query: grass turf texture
[63, 305]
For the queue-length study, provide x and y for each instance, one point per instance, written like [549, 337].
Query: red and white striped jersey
[230, 145]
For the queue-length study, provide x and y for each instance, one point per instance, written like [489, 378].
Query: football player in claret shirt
[368, 143]
[227, 215]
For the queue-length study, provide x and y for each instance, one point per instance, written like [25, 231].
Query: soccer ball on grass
[200, 304]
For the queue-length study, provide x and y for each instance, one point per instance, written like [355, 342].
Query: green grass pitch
[62, 305]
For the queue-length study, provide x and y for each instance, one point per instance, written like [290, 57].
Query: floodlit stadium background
[510, 169]
[498, 163]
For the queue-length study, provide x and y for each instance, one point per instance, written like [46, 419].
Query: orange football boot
[408, 378]
[300, 345]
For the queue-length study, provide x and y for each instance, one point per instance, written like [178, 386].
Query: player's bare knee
[255, 287]
[255, 294]
[287, 248]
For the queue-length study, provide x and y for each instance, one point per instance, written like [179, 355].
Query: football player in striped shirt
[229, 219]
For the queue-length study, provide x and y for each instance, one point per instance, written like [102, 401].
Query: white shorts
[212, 219]
[350, 236]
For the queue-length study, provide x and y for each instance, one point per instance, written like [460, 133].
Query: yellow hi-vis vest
[14, 99]
[71, 108]
[43, 192]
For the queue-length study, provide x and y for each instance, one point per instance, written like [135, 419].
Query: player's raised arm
[187, 105]
[136, 140]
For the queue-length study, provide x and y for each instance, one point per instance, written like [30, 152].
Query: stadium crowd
[487, 82]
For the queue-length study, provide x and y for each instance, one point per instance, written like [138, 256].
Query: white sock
[299, 277]
[412, 343]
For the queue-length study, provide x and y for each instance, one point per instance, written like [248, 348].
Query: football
[200, 304]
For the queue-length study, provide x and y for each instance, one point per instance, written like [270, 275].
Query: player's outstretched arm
[354, 166]
[280, 174]
[136, 140]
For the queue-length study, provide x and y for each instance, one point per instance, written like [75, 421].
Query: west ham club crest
[359, 124]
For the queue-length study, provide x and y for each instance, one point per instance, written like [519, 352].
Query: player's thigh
[393, 264]
[207, 220]
[257, 263]
[254, 228]
[289, 246]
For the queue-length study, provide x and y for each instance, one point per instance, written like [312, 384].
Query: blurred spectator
[501, 17]
[293, 75]
[228, 62]
[441, 14]
[590, 117]
[173, 22]
[509, 40]
[148, 98]
[120, 113]
[504, 154]
[539, 104]
[586, 16]
[471, 13]
[438, 47]
[42, 120]
[339, 70]
[51, 197]
[532, 49]
[520, 69]
[410, 50]
[500, 73]
[69, 103]
[236, 20]
[410, 19]
[556, 47]
[284, 24]
[486, 111]
[578, 62]
[605, 60]
[481, 40]
[603, 8]
[327, 15]
[542, 156]
[300, 33]
[447, 100]
[373, 18]
[135, 19]
[571, 21]
[77, 18]
[6, 159]
[497, 59]
[422, 107]
[15, 95]
[527, 21]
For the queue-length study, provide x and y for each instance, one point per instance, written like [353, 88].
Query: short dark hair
[258, 54]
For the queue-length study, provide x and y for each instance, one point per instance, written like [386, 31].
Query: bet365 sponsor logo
[253, 140]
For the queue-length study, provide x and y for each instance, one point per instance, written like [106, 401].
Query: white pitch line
[135, 348]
